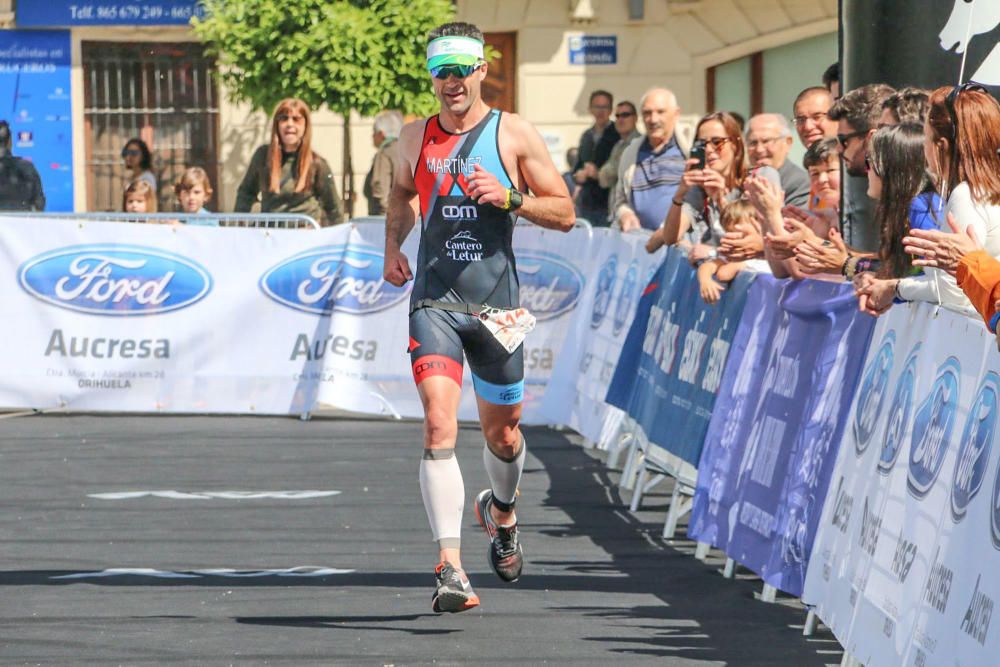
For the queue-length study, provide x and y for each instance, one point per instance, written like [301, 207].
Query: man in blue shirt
[651, 167]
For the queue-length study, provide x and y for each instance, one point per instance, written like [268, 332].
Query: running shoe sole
[452, 602]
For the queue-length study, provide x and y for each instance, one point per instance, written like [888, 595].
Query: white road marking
[301, 571]
[208, 495]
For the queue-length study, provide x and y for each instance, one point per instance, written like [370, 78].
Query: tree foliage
[360, 55]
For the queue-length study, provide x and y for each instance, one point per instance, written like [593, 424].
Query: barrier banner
[772, 441]
[579, 383]
[672, 362]
[904, 568]
[127, 317]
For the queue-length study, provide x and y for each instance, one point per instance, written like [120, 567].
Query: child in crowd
[822, 161]
[194, 190]
[139, 197]
[713, 273]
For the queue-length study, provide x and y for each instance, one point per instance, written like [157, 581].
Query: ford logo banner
[117, 280]
[550, 286]
[339, 278]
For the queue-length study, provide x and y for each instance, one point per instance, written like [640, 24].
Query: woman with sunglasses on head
[961, 138]
[287, 175]
[706, 187]
[139, 162]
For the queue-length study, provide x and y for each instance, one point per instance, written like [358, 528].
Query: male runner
[471, 167]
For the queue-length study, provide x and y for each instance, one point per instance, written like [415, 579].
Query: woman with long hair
[287, 175]
[695, 211]
[899, 182]
[961, 138]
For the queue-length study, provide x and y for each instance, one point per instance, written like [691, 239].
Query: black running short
[438, 339]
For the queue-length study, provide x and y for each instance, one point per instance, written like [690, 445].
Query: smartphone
[768, 174]
[698, 153]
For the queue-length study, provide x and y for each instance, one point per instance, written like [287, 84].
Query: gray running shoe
[506, 555]
[454, 592]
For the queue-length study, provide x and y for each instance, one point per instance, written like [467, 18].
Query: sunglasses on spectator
[949, 102]
[870, 166]
[623, 114]
[458, 71]
[716, 142]
[844, 138]
[131, 151]
[818, 117]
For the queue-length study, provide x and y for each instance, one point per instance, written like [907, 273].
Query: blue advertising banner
[670, 369]
[63, 13]
[35, 100]
[777, 424]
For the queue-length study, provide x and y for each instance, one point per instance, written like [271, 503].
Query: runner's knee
[440, 428]
[504, 439]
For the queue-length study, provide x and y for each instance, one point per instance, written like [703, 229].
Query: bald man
[651, 166]
[810, 113]
[768, 140]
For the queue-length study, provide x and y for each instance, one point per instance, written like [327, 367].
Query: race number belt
[508, 326]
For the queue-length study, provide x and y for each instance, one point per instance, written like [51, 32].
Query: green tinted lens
[461, 71]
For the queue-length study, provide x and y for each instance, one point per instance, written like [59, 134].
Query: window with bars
[162, 93]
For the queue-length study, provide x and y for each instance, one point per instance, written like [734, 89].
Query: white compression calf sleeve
[443, 492]
[505, 475]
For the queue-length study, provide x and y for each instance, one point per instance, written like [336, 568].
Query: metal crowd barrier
[247, 220]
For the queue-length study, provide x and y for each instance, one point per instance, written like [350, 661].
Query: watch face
[516, 199]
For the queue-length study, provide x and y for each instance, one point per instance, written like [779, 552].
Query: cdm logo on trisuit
[456, 212]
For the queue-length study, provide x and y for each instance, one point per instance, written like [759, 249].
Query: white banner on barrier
[905, 560]
[587, 361]
[112, 316]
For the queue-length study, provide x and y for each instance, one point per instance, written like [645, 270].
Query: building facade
[135, 69]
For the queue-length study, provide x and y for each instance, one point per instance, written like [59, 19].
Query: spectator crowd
[926, 163]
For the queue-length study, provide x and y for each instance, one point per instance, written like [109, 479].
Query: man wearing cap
[473, 170]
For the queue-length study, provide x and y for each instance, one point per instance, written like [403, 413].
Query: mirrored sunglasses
[460, 71]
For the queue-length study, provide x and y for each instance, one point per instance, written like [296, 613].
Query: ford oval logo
[899, 413]
[117, 280]
[340, 278]
[606, 279]
[872, 394]
[550, 286]
[932, 428]
[974, 452]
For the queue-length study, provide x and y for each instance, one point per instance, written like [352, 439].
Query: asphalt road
[217, 540]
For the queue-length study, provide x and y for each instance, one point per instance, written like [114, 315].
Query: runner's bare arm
[549, 204]
[400, 215]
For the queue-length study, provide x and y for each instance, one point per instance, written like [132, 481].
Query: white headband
[453, 46]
